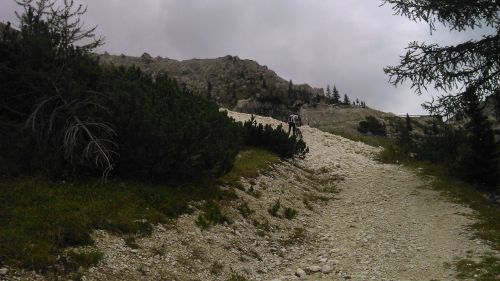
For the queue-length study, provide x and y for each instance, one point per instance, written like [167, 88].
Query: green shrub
[211, 215]
[372, 125]
[290, 213]
[165, 133]
[75, 260]
[274, 208]
[273, 139]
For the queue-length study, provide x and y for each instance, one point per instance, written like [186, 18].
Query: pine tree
[328, 92]
[480, 163]
[473, 63]
[336, 95]
[209, 89]
[409, 127]
[347, 101]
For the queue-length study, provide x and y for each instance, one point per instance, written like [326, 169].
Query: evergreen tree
[328, 92]
[408, 123]
[336, 95]
[347, 101]
[480, 162]
[473, 63]
[209, 90]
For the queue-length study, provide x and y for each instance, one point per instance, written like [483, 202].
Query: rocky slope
[236, 83]
[357, 219]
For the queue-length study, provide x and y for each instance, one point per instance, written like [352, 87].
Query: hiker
[293, 122]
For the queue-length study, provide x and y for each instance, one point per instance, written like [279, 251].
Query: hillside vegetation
[87, 146]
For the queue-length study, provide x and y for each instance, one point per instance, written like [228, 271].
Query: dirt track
[385, 224]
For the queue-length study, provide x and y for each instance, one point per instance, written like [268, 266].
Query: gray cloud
[319, 42]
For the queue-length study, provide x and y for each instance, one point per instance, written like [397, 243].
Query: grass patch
[485, 270]
[249, 163]
[131, 242]
[40, 218]
[85, 260]
[211, 215]
[274, 208]
[245, 210]
[236, 277]
[262, 227]
[216, 268]
[290, 213]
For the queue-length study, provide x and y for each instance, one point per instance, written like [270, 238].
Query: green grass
[40, 218]
[290, 213]
[274, 208]
[485, 270]
[211, 215]
[249, 164]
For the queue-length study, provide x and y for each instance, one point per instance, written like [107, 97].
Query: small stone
[323, 260]
[497, 277]
[314, 268]
[300, 273]
[326, 269]
[3, 271]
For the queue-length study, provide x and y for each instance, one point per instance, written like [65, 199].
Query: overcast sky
[319, 42]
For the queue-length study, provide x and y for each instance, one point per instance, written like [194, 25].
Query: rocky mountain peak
[235, 83]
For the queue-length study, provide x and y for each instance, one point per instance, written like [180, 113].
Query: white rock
[300, 273]
[326, 269]
[314, 268]
[3, 271]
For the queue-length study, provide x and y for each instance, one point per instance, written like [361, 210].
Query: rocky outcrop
[235, 83]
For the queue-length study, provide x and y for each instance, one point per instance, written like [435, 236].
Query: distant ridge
[238, 84]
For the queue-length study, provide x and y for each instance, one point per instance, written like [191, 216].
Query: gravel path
[385, 224]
